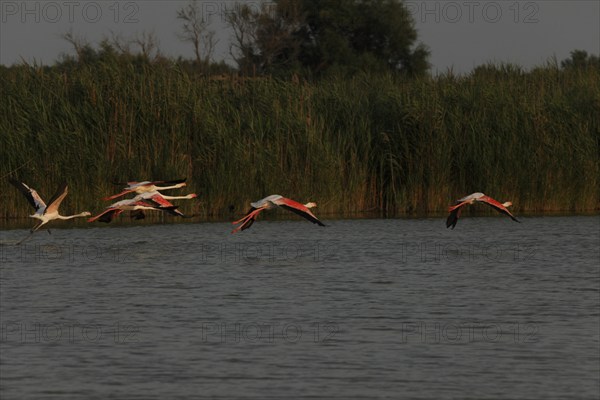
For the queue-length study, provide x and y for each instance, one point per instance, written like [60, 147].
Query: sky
[460, 34]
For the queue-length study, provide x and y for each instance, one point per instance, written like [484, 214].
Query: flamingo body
[274, 201]
[476, 197]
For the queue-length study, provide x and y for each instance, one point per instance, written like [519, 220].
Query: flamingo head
[86, 214]
[192, 196]
[507, 204]
[310, 205]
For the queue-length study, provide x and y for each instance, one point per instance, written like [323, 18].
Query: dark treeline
[370, 141]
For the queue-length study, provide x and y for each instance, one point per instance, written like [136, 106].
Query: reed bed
[369, 143]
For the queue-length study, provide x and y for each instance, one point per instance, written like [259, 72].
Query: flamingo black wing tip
[19, 185]
[106, 217]
[247, 224]
[172, 182]
[451, 222]
[137, 215]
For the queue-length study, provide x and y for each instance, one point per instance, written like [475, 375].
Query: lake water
[360, 309]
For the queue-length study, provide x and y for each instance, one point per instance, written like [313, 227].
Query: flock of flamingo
[148, 197]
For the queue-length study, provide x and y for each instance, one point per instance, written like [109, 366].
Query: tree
[148, 44]
[243, 47]
[195, 30]
[264, 41]
[580, 59]
[82, 48]
[319, 35]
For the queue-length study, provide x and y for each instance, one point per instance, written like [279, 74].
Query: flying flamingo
[274, 201]
[148, 186]
[45, 213]
[137, 205]
[161, 201]
[134, 204]
[470, 199]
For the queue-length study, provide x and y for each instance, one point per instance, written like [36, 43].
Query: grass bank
[371, 142]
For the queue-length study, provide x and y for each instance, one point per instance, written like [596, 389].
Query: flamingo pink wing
[164, 204]
[299, 209]
[58, 197]
[161, 201]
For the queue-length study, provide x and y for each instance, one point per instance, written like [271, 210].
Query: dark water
[358, 310]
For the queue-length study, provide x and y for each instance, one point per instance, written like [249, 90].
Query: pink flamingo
[45, 213]
[147, 187]
[137, 205]
[162, 202]
[274, 201]
[470, 199]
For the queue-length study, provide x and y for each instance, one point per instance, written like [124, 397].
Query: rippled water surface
[392, 308]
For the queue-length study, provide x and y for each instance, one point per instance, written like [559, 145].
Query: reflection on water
[381, 308]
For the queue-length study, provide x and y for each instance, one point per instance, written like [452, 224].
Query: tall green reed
[369, 143]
